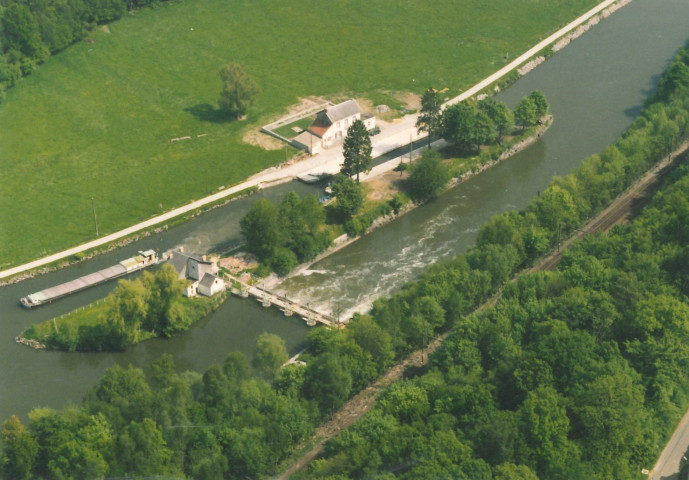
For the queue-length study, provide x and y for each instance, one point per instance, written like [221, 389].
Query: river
[595, 86]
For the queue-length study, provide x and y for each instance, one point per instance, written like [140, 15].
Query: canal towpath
[395, 136]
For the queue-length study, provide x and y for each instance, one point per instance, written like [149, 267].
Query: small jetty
[125, 267]
[288, 307]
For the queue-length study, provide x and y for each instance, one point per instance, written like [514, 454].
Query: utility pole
[95, 220]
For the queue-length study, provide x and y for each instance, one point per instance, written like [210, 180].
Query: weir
[287, 306]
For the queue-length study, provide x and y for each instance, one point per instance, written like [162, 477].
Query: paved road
[395, 135]
[668, 463]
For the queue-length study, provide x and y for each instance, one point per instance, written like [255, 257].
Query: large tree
[484, 130]
[269, 354]
[349, 196]
[428, 176]
[500, 115]
[20, 449]
[429, 117]
[526, 113]
[542, 105]
[261, 229]
[458, 124]
[239, 90]
[357, 150]
[21, 32]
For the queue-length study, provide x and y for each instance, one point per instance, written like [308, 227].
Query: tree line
[566, 377]
[31, 31]
[572, 374]
[470, 124]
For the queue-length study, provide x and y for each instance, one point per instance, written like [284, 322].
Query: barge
[125, 267]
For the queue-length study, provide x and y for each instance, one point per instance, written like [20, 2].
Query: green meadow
[96, 120]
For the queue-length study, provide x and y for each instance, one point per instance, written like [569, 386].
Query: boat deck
[92, 279]
[77, 284]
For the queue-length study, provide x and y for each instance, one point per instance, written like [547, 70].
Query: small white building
[331, 125]
[196, 269]
[191, 289]
[210, 285]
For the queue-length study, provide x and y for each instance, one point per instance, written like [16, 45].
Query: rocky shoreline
[35, 344]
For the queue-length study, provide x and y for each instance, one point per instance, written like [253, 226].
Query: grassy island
[148, 307]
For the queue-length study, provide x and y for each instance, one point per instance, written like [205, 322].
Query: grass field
[96, 120]
[302, 124]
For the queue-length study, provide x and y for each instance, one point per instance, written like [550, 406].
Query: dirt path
[359, 404]
[619, 211]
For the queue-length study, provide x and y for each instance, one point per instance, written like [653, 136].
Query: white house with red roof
[331, 125]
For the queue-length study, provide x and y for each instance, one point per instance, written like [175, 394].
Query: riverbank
[80, 257]
[510, 150]
[64, 332]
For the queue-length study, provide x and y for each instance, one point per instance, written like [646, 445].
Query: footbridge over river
[287, 306]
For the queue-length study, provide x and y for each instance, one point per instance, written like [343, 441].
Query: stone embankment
[35, 344]
[585, 27]
[567, 39]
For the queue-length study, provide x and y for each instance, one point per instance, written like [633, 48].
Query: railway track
[622, 209]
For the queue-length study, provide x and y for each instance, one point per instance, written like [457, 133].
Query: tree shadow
[635, 110]
[208, 113]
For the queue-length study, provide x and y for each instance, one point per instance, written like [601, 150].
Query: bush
[397, 202]
[428, 178]
[354, 227]
[283, 260]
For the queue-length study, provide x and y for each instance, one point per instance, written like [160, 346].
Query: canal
[596, 87]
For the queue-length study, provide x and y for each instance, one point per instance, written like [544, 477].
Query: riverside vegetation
[148, 307]
[281, 235]
[297, 229]
[573, 374]
[96, 119]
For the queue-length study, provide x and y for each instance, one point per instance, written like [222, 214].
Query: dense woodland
[31, 31]
[577, 373]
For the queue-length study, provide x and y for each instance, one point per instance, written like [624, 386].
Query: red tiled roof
[318, 127]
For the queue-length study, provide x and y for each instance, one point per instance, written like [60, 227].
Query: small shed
[369, 121]
[210, 285]
[307, 141]
[191, 289]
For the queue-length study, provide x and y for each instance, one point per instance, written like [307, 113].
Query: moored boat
[129, 265]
